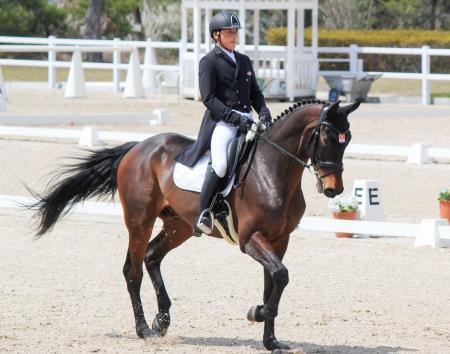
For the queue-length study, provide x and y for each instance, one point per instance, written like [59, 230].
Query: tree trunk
[93, 25]
[433, 15]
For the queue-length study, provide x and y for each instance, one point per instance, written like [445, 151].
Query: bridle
[316, 162]
[341, 137]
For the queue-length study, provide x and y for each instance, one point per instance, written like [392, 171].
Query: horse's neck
[290, 133]
[282, 172]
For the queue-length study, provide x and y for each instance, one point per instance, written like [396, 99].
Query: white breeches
[222, 135]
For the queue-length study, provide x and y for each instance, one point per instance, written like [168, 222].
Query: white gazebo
[288, 71]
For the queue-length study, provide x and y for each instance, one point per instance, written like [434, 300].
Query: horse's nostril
[329, 192]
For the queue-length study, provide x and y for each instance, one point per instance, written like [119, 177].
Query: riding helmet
[223, 20]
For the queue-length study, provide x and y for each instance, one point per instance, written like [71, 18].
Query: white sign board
[369, 197]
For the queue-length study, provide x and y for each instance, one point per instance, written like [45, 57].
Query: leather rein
[314, 140]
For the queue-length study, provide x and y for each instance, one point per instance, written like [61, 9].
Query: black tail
[93, 176]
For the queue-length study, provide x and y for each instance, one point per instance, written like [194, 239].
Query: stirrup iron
[205, 221]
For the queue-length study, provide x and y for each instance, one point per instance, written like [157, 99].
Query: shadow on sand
[296, 347]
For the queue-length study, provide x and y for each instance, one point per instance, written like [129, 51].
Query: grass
[400, 87]
[13, 73]
[441, 94]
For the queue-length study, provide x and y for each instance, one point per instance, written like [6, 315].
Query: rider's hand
[265, 119]
[245, 123]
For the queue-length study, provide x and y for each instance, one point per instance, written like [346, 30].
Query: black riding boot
[205, 221]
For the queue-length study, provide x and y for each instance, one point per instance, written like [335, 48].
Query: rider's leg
[222, 135]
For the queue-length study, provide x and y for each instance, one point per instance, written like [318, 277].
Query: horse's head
[329, 139]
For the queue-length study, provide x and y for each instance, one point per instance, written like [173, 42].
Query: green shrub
[375, 38]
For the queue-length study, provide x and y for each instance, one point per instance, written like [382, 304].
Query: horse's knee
[281, 277]
[151, 258]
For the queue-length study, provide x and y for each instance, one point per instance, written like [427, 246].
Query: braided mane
[287, 112]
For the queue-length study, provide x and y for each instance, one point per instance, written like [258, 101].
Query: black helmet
[223, 20]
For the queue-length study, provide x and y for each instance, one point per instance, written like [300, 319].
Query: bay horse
[142, 174]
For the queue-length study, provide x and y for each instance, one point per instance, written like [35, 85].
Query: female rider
[229, 90]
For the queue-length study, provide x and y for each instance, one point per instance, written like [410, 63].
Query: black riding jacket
[224, 86]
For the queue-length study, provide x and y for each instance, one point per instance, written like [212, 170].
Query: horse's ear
[333, 109]
[350, 108]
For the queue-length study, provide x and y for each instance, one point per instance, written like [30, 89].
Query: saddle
[239, 150]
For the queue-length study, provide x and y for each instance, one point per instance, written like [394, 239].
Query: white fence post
[425, 72]
[418, 154]
[353, 57]
[51, 63]
[116, 63]
[429, 235]
[89, 137]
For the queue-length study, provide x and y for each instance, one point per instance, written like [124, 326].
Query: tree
[161, 19]
[92, 29]
[31, 18]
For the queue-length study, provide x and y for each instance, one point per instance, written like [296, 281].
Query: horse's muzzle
[330, 192]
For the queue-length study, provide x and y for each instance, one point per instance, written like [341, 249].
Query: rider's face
[229, 38]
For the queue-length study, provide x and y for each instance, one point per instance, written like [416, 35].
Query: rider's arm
[207, 83]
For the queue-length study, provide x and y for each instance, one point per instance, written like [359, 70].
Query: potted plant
[345, 208]
[444, 204]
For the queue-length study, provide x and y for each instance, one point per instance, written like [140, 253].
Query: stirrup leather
[205, 221]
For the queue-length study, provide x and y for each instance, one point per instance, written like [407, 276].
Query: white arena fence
[89, 136]
[266, 54]
[431, 232]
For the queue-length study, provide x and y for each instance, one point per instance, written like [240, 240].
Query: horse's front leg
[269, 339]
[276, 278]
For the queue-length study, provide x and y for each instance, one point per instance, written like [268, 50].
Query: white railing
[431, 232]
[416, 155]
[52, 45]
[355, 64]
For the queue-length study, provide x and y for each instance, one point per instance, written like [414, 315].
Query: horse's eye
[327, 140]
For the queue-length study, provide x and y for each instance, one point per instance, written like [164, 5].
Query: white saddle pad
[192, 178]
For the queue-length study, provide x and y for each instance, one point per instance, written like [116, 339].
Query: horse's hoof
[144, 332]
[254, 314]
[161, 323]
[275, 346]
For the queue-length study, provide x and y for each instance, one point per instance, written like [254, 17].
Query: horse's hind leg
[140, 225]
[173, 234]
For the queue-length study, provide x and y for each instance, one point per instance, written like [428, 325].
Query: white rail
[425, 73]
[359, 149]
[52, 45]
[437, 237]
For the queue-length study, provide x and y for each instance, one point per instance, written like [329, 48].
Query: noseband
[331, 166]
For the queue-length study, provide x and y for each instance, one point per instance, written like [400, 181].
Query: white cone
[2, 83]
[149, 75]
[75, 86]
[2, 93]
[133, 83]
[89, 137]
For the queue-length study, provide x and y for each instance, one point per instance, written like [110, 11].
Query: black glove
[245, 123]
[265, 119]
